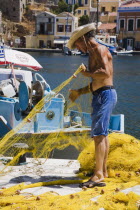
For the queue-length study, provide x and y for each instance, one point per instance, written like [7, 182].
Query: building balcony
[128, 33]
[45, 33]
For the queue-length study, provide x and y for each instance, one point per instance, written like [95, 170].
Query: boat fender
[23, 96]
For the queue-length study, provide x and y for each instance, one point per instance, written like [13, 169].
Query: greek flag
[1, 52]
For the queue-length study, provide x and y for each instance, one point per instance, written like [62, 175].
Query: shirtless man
[100, 70]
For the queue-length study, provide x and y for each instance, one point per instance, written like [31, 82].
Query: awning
[60, 41]
[15, 57]
[107, 26]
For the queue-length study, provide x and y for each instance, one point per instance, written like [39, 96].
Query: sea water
[58, 67]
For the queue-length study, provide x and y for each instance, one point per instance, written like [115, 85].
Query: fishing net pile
[123, 167]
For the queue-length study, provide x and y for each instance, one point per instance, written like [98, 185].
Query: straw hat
[79, 32]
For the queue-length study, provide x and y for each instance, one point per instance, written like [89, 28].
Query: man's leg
[100, 150]
[105, 157]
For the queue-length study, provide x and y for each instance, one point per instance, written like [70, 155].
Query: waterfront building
[84, 8]
[128, 24]
[108, 10]
[107, 29]
[14, 10]
[52, 31]
[45, 31]
[66, 23]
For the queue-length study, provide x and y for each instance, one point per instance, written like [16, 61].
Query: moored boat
[108, 41]
[123, 52]
[21, 90]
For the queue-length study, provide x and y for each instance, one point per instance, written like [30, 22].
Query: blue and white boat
[21, 90]
[108, 41]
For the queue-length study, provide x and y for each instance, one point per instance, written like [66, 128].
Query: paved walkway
[43, 170]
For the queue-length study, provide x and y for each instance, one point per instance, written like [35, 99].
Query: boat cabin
[111, 40]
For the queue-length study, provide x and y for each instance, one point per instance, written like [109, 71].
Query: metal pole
[97, 16]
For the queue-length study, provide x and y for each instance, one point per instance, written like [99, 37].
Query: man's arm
[74, 94]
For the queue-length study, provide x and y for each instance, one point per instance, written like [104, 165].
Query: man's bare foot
[105, 174]
[95, 180]
[97, 177]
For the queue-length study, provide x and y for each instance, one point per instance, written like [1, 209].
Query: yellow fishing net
[123, 166]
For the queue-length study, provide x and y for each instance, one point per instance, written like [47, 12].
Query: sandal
[91, 184]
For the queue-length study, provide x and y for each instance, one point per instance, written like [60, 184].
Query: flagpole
[2, 48]
[12, 68]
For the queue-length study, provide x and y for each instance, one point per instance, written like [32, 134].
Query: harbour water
[58, 67]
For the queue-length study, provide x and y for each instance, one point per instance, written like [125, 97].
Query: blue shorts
[103, 104]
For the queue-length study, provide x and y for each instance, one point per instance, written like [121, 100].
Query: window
[42, 28]
[68, 28]
[49, 20]
[41, 43]
[138, 23]
[80, 2]
[49, 27]
[79, 12]
[85, 12]
[121, 24]
[130, 25]
[113, 9]
[60, 28]
[14, 9]
[86, 1]
[103, 9]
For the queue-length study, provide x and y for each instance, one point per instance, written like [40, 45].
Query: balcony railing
[45, 32]
[127, 32]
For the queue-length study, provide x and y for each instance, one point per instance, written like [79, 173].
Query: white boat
[75, 52]
[123, 52]
[21, 92]
[108, 41]
[72, 52]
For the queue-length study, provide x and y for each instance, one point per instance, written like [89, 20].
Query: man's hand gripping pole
[82, 67]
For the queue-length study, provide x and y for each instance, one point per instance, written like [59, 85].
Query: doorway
[41, 43]
[130, 44]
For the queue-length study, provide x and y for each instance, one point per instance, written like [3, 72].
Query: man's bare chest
[93, 64]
